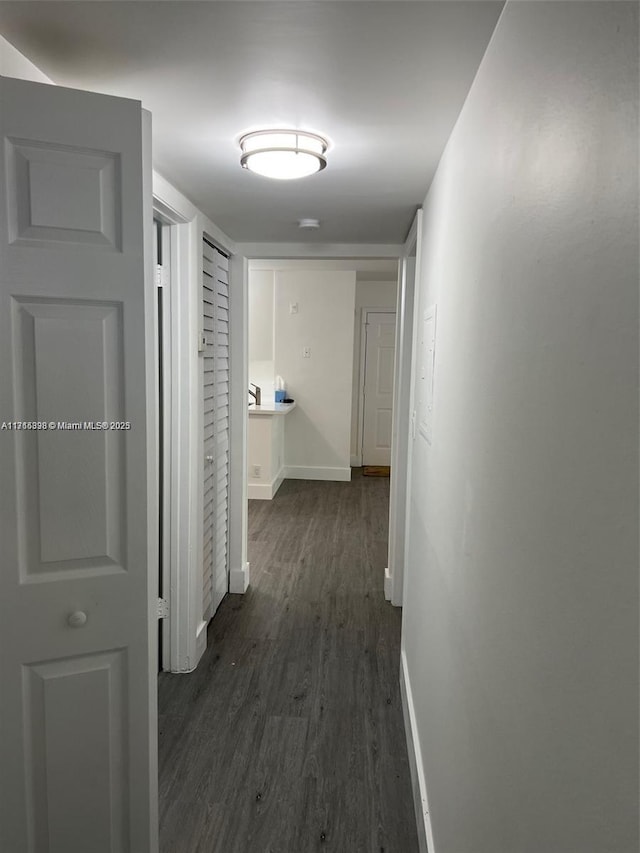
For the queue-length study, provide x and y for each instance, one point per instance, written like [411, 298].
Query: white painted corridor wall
[317, 434]
[520, 631]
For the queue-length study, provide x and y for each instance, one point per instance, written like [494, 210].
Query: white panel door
[78, 644]
[378, 388]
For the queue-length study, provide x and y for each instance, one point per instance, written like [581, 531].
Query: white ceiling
[384, 81]
[366, 269]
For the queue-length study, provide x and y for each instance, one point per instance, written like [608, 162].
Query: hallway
[288, 738]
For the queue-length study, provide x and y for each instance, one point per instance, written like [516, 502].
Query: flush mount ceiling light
[283, 154]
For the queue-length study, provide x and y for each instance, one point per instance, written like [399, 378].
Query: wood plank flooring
[288, 738]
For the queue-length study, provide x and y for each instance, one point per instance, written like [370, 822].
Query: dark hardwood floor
[288, 738]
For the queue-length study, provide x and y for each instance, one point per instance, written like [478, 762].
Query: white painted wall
[520, 624]
[261, 316]
[317, 432]
[15, 64]
[261, 364]
[369, 294]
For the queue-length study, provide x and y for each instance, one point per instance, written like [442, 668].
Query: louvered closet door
[215, 323]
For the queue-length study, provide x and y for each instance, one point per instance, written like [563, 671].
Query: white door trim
[402, 413]
[185, 629]
[178, 647]
[167, 449]
[239, 569]
[364, 315]
[151, 332]
[239, 335]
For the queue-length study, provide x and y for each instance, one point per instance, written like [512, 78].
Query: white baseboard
[259, 492]
[420, 802]
[302, 472]
[201, 643]
[239, 579]
[278, 481]
[388, 584]
[356, 461]
[265, 491]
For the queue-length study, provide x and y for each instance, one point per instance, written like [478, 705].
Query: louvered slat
[215, 329]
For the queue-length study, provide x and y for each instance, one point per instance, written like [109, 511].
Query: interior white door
[78, 504]
[378, 388]
[221, 571]
[215, 372]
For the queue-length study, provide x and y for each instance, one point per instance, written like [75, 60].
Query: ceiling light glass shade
[283, 154]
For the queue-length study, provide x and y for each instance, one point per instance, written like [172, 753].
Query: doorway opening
[306, 331]
[162, 272]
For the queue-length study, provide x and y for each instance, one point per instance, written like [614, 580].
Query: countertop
[271, 408]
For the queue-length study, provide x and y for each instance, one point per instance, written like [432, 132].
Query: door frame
[176, 568]
[165, 409]
[403, 419]
[185, 633]
[364, 316]
[246, 252]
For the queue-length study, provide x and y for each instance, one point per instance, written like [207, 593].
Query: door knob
[77, 619]
[209, 458]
